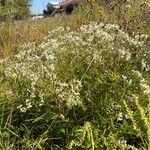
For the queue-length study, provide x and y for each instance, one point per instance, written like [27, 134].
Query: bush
[78, 90]
[14, 10]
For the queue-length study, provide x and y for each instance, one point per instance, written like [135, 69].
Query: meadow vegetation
[14, 9]
[79, 81]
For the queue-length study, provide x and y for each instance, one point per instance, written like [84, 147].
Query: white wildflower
[137, 73]
[124, 77]
[23, 109]
[146, 88]
[120, 116]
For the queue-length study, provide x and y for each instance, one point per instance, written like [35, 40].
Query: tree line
[14, 9]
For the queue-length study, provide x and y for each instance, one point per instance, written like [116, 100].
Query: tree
[22, 8]
[14, 9]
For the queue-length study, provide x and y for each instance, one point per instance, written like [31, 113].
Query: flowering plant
[92, 75]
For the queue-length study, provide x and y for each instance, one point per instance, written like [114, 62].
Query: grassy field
[79, 82]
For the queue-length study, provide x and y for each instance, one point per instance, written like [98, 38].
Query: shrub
[76, 91]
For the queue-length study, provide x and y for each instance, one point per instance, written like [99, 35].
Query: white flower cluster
[35, 65]
[27, 106]
[69, 93]
[123, 145]
[143, 83]
[126, 80]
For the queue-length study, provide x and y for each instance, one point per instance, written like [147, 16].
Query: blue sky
[39, 5]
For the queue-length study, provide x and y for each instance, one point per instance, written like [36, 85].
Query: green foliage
[69, 91]
[133, 16]
[18, 9]
[86, 86]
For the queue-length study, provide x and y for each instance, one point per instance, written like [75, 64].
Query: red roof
[68, 2]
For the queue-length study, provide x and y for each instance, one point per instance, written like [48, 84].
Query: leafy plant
[70, 91]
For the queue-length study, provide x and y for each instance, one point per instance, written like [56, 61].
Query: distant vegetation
[14, 9]
[79, 81]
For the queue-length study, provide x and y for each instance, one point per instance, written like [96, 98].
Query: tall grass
[133, 17]
[75, 82]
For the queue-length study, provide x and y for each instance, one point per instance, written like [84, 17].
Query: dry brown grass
[13, 34]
